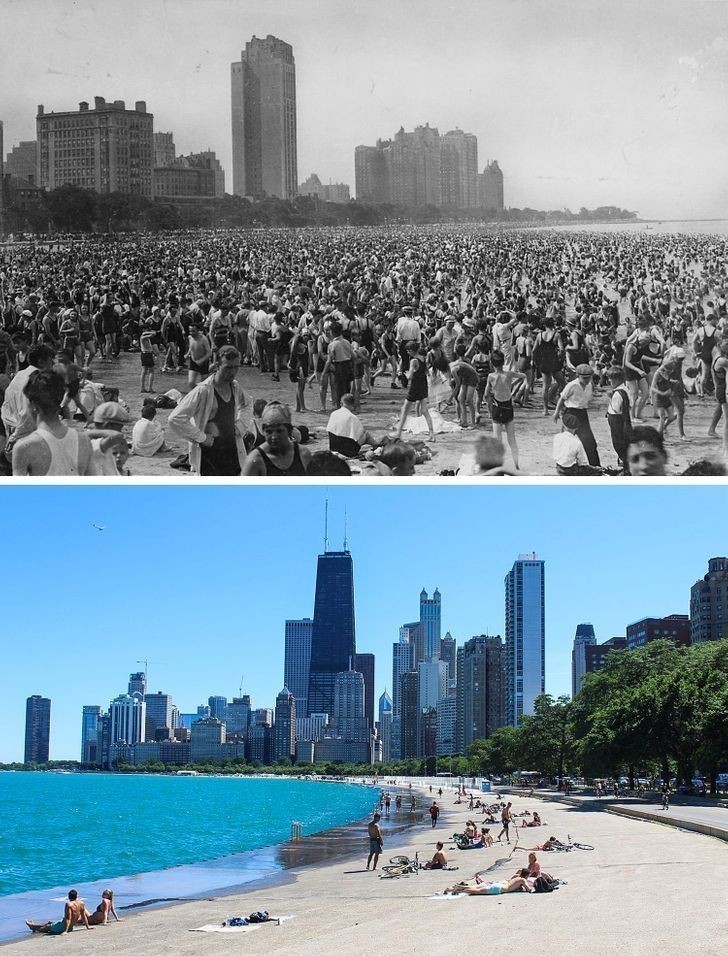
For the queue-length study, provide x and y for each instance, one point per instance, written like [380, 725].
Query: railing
[296, 831]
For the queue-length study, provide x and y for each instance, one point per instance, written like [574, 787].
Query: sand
[380, 411]
[646, 888]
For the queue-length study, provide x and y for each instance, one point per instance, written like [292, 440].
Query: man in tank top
[53, 448]
[210, 417]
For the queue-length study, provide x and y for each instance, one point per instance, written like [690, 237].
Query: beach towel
[223, 928]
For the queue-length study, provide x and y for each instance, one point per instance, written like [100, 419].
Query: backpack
[542, 885]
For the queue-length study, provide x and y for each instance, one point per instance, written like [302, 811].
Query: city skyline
[153, 608]
[602, 103]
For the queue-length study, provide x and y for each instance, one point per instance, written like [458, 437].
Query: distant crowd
[468, 324]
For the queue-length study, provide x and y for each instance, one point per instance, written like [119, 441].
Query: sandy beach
[380, 411]
[646, 888]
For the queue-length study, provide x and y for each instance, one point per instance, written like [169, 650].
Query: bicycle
[400, 866]
[560, 847]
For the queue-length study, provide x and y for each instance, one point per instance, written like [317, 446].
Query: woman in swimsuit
[279, 456]
[719, 370]
[548, 359]
[100, 916]
[416, 390]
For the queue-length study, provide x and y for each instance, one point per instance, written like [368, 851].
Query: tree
[71, 208]
[500, 753]
[547, 740]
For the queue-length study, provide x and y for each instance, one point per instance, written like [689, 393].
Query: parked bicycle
[400, 866]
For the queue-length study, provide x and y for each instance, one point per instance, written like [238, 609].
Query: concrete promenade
[645, 889]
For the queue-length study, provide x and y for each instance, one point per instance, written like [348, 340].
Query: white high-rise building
[128, 715]
[525, 636]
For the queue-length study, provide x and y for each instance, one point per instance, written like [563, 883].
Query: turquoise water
[63, 829]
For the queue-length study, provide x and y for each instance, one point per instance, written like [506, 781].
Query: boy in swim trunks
[499, 396]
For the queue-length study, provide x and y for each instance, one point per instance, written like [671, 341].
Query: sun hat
[110, 412]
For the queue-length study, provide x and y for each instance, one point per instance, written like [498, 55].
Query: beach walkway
[645, 889]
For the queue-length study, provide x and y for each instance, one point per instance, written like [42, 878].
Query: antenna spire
[326, 525]
[344, 528]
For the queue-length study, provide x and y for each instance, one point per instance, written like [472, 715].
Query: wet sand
[645, 889]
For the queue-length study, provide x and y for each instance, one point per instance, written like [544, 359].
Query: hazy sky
[200, 581]
[583, 102]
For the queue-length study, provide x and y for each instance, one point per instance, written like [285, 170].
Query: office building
[297, 661]
[137, 683]
[525, 603]
[403, 661]
[333, 636]
[385, 726]
[311, 728]
[448, 654]
[128, 719]
[107, 148]
[333, 192]
[584, 637]
[371, 174]
[480, 698]
[90, 740]
[364, 663]
[709, 604]
[430, 621]
[193, 177]
[22, 161]
[432, 683]
[447, 726]
[165, 151]
[674, 627]
[595, 655]
[263, 99]
[206, 739]
[260, 743]
[409, 715]
[159, 714]
[284, 728]
[217, 705]
[237, 718]
[490, 188]
[37, 729]
[459, 169]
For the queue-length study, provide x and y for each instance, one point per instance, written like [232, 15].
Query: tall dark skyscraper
[333, 640]
[264, 120]
[37, 729]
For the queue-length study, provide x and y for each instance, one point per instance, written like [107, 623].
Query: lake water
[150, 837]
[717, 227]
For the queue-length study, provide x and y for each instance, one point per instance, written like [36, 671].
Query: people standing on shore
[376, 841]
[506, 820]
[434, 812]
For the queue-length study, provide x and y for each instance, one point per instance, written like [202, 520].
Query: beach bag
[542, 885]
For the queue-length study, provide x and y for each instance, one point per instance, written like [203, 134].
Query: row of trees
[73, 209]
[660, 710]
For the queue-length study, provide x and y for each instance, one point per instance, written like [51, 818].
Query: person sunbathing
[74, 912]
[532, 871]
[517, 884]
[100, 916]
[548, 845]
[536, 822]
[485, 838]
[438, 861]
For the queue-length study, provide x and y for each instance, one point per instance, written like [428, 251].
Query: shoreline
[247, 871]
[641, 890]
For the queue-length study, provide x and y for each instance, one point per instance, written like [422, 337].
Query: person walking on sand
[499, 396]
[506, 820]
[376, 840]
[434, 814]
[416, 391]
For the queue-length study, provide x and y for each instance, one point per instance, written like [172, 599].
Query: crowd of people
[467, 320]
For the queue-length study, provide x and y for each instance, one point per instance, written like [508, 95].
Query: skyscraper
[158, 714]
[217, 705]
[264, 120]
[430, 621]
[284, 728]
[333, 637]
[584, 637]
[128, 713]
[297, 661]
[448, 653]
[709, 603]
[364, 663]
[459, 169]
[90, 735]
[480, 693]
[137, 683]
[409, 716]
[403, 661]
[385, 726]
[37, 729]
[525, 636]
[490, 187]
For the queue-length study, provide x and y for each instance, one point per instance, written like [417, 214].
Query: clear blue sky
[200, 580]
